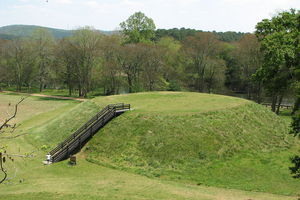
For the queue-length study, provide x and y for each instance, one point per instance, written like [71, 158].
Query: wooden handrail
[87, 130]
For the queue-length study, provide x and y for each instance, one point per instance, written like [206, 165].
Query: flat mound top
[173, 102]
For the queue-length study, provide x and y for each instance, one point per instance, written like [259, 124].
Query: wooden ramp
[76, 141]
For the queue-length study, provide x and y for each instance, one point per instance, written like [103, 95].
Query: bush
[174, 86]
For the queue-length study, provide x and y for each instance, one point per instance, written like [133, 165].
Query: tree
[249, 59]
[281, 47]
[111, 77]
[138, 28]
[66, 57]
[200, 50]
[6, 75]
[20, 59]
[43, 43]
[232, 71]
[172, 59]
[130, 59]
[214, 74]
[81, 57]
[279, 39]
[152, 66]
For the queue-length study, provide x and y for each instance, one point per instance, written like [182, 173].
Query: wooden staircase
[76, 141]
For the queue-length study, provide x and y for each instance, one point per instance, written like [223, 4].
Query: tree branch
[5, 124]
[2, 169]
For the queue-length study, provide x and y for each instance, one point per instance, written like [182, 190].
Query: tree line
[133, 61]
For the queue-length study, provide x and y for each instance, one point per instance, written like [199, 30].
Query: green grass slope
[199, 138]
[56, 130]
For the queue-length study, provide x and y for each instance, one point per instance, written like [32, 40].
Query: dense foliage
[280, 45]
[183, 33]
[279, 39]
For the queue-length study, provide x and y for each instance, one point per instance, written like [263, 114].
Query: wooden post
[72, 160]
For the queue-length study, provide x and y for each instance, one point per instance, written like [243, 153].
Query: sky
[207, 15]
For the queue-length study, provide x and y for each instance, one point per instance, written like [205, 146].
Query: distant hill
[13, 31]
[7, 37]
[27, 30]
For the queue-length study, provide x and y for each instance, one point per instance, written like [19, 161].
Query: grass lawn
[166, 103]
[32, 106]
[48, 124]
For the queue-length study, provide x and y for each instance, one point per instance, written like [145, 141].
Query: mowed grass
[32, 180]
[167, 103]
[199, 138]
[89, 181]
[30, 107]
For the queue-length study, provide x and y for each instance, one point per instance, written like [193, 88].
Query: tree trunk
[41, 86]
[79, 90]
[129, 83]
[279, 103]
[70, 89]
[259, 93]
[274, 101]
[248, 91]
[296, 106]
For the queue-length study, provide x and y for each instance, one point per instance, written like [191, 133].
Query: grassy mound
[200, 138]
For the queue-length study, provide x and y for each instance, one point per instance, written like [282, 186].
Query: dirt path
[47, 96]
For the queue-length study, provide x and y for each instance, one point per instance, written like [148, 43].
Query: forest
[260, 66]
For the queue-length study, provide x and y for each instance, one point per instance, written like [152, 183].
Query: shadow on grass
[14, 94]
[54, 99]
[286, 112]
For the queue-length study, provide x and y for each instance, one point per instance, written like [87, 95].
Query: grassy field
[47, 124]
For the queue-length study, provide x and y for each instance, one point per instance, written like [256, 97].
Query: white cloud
[64, 1]
[92, 3]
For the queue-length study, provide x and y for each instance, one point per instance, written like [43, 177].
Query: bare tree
[3, 128]
[199, 50]
[131, 57]
[43, 43]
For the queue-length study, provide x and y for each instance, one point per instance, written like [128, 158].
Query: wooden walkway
[76, 141]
